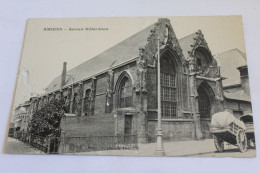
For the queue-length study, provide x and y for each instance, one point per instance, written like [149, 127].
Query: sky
[44, 51]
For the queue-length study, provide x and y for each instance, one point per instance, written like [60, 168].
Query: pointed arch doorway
[205, 101]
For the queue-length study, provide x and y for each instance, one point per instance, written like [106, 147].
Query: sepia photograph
[133, 86]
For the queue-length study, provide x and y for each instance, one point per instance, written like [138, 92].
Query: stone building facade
[20, 116]
[237, 97]
[236, 89]
[116, 91]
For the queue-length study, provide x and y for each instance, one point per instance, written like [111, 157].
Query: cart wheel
[251, 143]
[241, 140]
[219, 143]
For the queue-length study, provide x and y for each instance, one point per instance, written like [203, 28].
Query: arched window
[125, 93]
[168, 88]
[202, 59]
[87, 102]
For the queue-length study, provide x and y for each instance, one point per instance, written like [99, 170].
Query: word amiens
[76, 29]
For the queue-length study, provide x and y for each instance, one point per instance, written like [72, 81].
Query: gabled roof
[116, 55]
[186, 42]
[229, 62]
[238, 95]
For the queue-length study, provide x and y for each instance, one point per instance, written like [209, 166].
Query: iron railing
[92, 143]
[34, 141]
[59, 145]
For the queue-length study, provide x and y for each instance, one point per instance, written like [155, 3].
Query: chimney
[244, 78]
[63, 75]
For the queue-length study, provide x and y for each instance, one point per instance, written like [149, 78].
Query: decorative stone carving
[217, 73]
[93, 87]
[44, 100]
[67, 101]
[218, 95]
[199, 41]
[61, 95]
[110, 83]
[195, 91]
[39, 104]
[92, 95]
[77, 105]
[109, 92]
[191, 65]
[141, 72]
[50, 97]
[185, 67]
[166, 35]
[78, 100]
[164, 31]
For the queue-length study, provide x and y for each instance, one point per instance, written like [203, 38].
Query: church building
[116, 91]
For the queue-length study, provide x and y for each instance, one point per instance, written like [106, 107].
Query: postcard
[133, 86]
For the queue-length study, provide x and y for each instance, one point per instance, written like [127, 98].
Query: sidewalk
[14, 146]
[203, 148]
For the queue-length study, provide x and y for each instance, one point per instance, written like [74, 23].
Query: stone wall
[120, 121]
[205, 128]
[185, 93]
[100, 96]
[102, 125]
[152, 87]
[172, 130]
[100, 103]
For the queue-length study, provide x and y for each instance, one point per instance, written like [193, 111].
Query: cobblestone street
[14, 146]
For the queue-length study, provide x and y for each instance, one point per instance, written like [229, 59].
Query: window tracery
[168, 88]
[125, 93]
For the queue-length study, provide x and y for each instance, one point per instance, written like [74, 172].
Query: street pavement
[14, 146]
[202, 148]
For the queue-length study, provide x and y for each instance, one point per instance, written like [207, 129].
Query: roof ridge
[111, 57]
[229, 51]
[242, 53]
[110, 47]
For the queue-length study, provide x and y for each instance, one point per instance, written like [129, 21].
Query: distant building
[11, 130]
[236, 85]
[20, 116]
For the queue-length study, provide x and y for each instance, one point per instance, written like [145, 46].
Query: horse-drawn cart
[250, 134]
[226, 128]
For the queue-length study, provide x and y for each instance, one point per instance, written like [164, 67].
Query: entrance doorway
[128, 124]
[204, 109]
